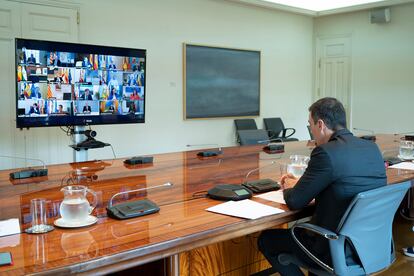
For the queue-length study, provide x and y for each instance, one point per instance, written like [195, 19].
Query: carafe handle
[95, 200]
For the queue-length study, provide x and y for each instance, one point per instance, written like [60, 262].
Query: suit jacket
[337, 171]
[87, 109]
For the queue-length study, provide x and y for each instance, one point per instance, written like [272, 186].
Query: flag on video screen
[49, 92]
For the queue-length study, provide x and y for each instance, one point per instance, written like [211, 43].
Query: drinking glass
[39, 222]
[406, 150]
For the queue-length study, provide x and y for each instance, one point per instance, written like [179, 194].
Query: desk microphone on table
[27, 172]
[272, 147]
[261, 185]
[137, 208]
[371, 137]
[406, 137]
[207, 153]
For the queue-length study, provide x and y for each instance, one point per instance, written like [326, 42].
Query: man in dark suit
[341, 166]
[87, 95]
[87, 108]
[34, 109]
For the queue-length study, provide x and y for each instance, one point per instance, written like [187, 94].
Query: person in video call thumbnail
[111, 64]
[87, 95]
[86, 62]
[87, 108]
[34, 109]
[135, 96]
[60, 110]
[112, 94]
[52, 58]
[111, 108]
[31, 59]
[132, 108]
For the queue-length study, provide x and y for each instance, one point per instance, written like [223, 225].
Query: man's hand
[288, 181]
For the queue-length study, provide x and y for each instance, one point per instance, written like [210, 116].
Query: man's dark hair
[330, 111]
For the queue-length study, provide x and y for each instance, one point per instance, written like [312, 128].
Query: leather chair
[365, 228]
[243, 124]
[277, 129]
[252, 136]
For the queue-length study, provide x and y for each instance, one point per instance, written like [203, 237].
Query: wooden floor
[403, 237]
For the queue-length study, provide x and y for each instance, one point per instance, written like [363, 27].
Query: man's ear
[321, 124]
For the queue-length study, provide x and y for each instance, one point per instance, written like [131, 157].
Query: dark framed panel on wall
[220, 82]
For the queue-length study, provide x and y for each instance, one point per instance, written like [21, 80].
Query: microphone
[168, 184]
[207, 153]
[27, 172]
[261, 185]
[137, 208]
[273, 147]
[371, 137]
[406, 137]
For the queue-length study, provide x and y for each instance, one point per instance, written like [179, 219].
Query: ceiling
[322, 7]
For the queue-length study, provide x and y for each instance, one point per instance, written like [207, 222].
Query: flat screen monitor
[66, 84]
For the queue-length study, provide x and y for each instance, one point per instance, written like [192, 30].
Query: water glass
[406, 150]
[38, 209]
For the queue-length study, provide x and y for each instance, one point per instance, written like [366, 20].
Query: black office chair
[277, 129]
[243, 124]
[252, 136]
[365, 228]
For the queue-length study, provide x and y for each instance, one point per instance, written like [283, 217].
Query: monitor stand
[79, 155]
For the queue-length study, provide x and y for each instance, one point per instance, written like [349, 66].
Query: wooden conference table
[181, 226]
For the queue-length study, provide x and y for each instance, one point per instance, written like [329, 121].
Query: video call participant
[340, 167]
[87, 108]
[52, 58]
[31, 59]
[135, 96]
[87, 95]
[132, 108]
[60, 110]
[34, 109]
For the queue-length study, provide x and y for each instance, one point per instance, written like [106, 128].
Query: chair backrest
[367, 224]
[244, 124]
[252, 136]
[275, 125]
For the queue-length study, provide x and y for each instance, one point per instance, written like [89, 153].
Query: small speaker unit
[380, 16]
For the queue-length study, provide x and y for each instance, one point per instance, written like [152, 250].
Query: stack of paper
[275, 196]
[245, 209]
[9, 227]
[403, 166]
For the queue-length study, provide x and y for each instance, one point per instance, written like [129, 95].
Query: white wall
[382, 67]
[285, 41]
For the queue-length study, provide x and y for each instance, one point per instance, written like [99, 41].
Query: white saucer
[405, 159]
[89, 221]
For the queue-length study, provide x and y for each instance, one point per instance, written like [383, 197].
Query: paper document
[9, 227]
[275, 196]
[403, 166]
[245, 209]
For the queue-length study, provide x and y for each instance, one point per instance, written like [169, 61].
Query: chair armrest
[320, 231]
[286, 130]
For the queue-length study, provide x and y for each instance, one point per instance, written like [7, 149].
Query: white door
[333, 71]
[37, 22]
[49, 23]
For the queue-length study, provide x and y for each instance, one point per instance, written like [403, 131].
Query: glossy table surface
[182, 223]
